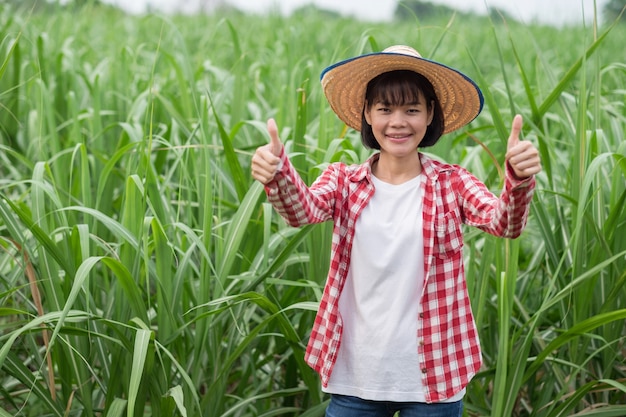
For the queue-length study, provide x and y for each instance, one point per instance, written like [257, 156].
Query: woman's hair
[399, 88]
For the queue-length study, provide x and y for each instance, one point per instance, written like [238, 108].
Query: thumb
[275, 144]
[516, 128]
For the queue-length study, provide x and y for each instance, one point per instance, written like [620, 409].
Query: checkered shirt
[448, 345]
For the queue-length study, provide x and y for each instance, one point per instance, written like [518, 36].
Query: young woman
[394, 330]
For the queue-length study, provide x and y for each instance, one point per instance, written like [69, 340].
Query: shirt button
[421, 342]
[421, 315]
[424, 370]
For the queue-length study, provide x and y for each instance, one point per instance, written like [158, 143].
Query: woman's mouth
[398, 137]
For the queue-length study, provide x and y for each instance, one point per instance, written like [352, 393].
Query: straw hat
[345, 82]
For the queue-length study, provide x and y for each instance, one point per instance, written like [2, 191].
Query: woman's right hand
[266, 158]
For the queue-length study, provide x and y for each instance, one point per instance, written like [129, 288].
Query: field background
[143, 273]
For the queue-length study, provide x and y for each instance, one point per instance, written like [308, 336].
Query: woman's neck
[397, 170]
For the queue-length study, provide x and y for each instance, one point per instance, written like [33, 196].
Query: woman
[394, 330]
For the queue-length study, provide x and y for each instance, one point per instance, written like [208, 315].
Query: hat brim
[345, 82]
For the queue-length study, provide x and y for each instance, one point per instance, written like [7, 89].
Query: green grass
[143, 273]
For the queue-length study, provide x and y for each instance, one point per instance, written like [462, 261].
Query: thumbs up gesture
[267, 157]
[522, 156]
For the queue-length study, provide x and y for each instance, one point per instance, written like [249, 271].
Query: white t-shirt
[377, 359]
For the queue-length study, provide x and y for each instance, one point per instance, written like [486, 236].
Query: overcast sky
[546, 11]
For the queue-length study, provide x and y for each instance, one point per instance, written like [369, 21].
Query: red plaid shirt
[448, 348]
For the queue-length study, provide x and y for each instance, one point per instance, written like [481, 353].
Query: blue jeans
[346, 406]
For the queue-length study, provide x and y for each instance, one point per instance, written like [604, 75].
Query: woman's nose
[397, 118]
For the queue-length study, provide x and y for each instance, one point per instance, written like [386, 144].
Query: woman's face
[399, 128]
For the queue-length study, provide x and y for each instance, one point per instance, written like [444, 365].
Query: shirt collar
[364, 171]
[429, 168]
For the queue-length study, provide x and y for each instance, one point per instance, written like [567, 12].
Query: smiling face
[399, 128]
[401, 112]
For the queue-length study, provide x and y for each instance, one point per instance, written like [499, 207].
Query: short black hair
[398, 88]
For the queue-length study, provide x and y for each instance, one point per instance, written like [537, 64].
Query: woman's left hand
[522, 155]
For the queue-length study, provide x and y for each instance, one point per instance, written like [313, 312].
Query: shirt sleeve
[504, 216]
[297, 203]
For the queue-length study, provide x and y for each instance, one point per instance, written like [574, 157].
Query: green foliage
[613, 10]
[51, 6]
[316, 12]
[423, 10]
[143, 273]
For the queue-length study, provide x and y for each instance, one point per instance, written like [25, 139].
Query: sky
[557, 12]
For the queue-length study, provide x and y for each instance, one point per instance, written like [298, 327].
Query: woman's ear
[431, 112]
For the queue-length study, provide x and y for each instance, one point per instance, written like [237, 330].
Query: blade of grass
[140, 351]
[566, 80]
[236, 231]
[116, 409]
[16, 368]
[579, 329]
[239, 178]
